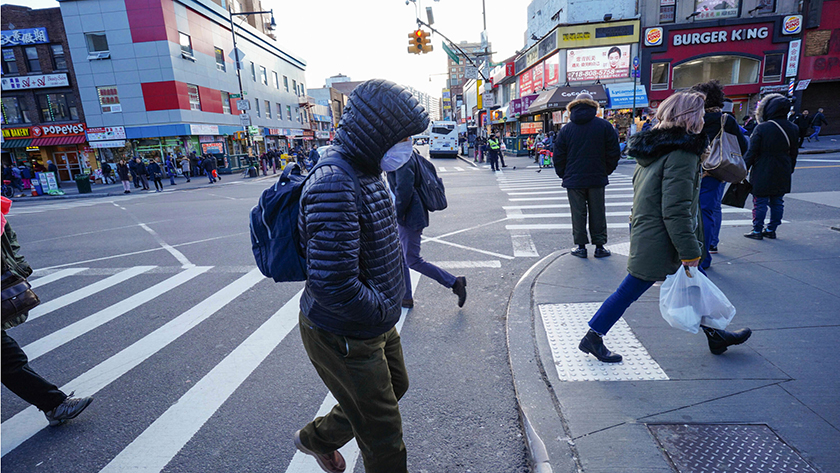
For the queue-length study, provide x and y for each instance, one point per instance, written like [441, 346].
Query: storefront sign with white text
[58, 130]
[42, 81]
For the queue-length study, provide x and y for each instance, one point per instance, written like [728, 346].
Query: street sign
[636, 73]
[803, 84]
[470, 72]
[636, 62]
[450, 53]
[235, 96]
[253, 130]
[243, 104]
[232, 54]
[245, 119]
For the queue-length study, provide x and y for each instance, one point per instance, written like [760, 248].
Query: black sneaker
[579, 252]
[754, 235]
[460, 289]
[601, 252]
[69, 409]
[713, 250]
[769, 234]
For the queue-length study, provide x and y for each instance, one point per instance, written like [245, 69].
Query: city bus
[443, 140]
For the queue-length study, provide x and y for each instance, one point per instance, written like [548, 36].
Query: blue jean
[614, 307]
[410, 242]
[209, 175]
[777, 209]
[816, 134]
[711, 192]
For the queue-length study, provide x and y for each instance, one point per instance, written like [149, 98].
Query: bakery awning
[59, 140]
[16, 144]
[558, 98]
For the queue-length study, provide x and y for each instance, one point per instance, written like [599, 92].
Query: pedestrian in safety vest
[493, 148]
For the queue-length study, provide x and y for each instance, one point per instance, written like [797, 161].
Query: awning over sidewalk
[59, 140]
[558, 98]
[16, 144]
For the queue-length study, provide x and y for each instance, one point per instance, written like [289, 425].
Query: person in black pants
[803, 121]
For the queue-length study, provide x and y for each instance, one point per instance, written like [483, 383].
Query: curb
[538, 407]
[820, 151]
[467, 160]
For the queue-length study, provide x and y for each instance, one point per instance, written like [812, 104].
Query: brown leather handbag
[18, 296]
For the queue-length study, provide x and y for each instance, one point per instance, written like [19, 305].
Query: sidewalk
[671, 405]
[827, 144]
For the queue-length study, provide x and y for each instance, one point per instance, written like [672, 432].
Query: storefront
[108, 145]
[551, 104]
[744, 54]
[820, 66]
[36, 146]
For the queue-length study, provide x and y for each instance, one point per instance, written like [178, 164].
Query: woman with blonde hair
[665, 223]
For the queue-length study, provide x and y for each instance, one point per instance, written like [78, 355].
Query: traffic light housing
[419, 42]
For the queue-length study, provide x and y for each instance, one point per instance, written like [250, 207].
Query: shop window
[109, 99]
[195, 99]
[97, 46]
[9, 62]
[220, 59]
[226, 102]
[276, 80]
[14, 110]
[289, 112]
[57, 107]
[59, 59]
[728, 70]
[186, 46]
[267, 109]
[257, 106]
[773, 67]
[32, 62]
[667, 11]
[659, 75]
[768, 7]
[286, 83]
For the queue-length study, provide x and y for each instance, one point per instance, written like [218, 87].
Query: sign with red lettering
[58, 130]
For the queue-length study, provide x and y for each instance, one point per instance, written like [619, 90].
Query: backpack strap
[783, 132]
[331, 160]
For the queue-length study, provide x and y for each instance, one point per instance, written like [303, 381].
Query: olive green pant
[367, 378]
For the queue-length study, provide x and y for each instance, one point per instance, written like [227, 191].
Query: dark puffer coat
[411, 213]
[770, 159]
[586, 150]
[355, 275]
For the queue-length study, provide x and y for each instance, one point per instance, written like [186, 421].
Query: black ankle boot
[593, 344]
[719, 340]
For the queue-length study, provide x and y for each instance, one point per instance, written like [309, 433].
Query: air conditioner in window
[99, 55]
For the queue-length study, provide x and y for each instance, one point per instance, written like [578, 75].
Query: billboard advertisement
[607, 62]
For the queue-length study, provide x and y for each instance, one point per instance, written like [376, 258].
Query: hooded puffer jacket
[771, 158]
[355, 276]
[587, 149]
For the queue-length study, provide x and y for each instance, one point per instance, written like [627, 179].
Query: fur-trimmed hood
[574, 103]
[772, 106]
[648, 146]
[582, 111]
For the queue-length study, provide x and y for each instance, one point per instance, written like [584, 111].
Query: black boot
[719, 340]
[460, 289]
[593, 344]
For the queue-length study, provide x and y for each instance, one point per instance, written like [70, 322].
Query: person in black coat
[141, 172]
[711, 189]
[51, 167]
[817, 122]
[771, 160]
[586, 151]
[208, 164]
[412, 218]
[154, 169]
[125, 175]
[803, 122]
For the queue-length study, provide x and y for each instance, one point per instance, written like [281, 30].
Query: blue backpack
[275, 240]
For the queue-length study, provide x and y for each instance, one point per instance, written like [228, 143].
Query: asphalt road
[152, 305]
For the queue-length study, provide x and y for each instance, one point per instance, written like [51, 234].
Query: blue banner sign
[23, 37]
[621, 96]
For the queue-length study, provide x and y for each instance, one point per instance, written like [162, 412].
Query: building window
[659, 75]
[773, 67]
[9, 62]
[186, 46]
[667, 11]
[32, 62]
[289, 112]
[302, 90]
[226, 102]
[276, 80]
[59, 60]
[294, 86]
[286, 83]
[279, 112]
[14, 111]
[195, 99]
[263, 75]
[220, 59]
[97, 46]
[715, 10]
[253, 72]
[727, 69]
[267, 109]
[768, 7]
[58, 107]
[109, 99]
[257, 106]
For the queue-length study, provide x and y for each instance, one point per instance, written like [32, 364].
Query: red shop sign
[49, 131]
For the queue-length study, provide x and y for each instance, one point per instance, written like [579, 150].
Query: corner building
[161, 75]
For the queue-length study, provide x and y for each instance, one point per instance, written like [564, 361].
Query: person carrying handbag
[17, 375]
[771, 160]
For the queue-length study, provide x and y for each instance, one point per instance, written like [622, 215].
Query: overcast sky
[367, 39]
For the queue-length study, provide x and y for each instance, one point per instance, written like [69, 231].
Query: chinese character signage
[608, 62]
[109, 99]
[106, 133]
[716, 9]
[794, 48]
[23, 37]
[34, 82]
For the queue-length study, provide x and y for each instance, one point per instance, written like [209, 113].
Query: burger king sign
[792, 24]
[654, 36]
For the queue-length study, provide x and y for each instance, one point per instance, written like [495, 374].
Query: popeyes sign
[58, 130]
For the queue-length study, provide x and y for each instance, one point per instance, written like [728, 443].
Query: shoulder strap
[330, 160]
[783, 131]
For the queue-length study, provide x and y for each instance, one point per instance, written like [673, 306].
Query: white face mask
[398, 155]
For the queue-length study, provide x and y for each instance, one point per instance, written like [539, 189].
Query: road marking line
[468, 264]
[562, 198]
[623, 189]
[459, 169]
[30, 421]
[85, 325]
[523, 244]
[625, 213]
[811, 160]
[568, 226]
[153, 449]
[561, 206]
[42, 281]
[177, 254]
[441, 169]
[817, 167]
[497, 255]
[87, 291]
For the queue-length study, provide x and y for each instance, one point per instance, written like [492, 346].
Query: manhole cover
[730, 448]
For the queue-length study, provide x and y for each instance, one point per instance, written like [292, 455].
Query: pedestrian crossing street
[169, 433]
[538, 203]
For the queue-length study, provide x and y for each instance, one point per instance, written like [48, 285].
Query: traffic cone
[34, 192]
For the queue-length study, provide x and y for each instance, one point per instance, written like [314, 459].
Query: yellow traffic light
[425, 42]
[419, 42]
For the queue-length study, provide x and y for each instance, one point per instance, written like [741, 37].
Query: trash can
[252, 172]
[83, 183]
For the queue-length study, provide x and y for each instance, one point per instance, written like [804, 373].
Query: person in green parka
[666, 231]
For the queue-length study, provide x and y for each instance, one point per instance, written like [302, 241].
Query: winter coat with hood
[355, 284]
[665, 221]
[13, 261]
[411, 213]
[586, 150]
[771, 158]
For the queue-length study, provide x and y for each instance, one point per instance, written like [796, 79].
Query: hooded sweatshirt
[771, 158]
[586, 150]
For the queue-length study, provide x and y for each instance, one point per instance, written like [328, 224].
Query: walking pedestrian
[529, 143]
[314, 156]
[771, 160]
[26, 176]
[51, 167]
[711, 189]
[501, 151]
[351, 301]
[141, 173]
[493, 149]
[818, 122]
[170, 169]
[156, 172]
[207, 163]
[185, 167]
[412, 218]
[586, 151]
[664, 234]
[17, 375]
[106, 173]
[803, 122]
[124, 172]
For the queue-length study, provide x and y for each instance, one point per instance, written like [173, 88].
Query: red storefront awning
[59, 140]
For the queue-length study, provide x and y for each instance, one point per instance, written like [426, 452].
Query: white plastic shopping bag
[688, 299]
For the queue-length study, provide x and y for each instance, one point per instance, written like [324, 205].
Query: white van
[443, 140]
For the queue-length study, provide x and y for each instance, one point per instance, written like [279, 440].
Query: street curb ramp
[534, 393]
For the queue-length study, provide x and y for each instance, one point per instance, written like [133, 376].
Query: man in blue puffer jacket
[355, 285]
